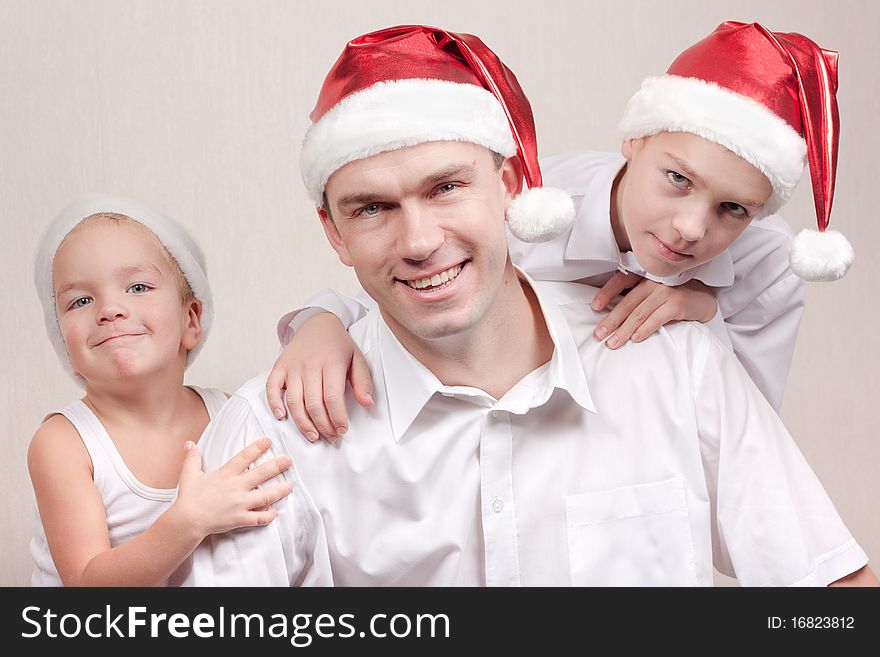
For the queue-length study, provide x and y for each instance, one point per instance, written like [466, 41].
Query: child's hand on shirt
[230, 497]
[648, 306]
[313, 368]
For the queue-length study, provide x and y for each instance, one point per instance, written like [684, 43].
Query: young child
[121, 496]
[715, 143]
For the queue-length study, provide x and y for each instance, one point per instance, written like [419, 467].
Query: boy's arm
[317, 361]
[774, 523]
[347, 309]
[74, 519]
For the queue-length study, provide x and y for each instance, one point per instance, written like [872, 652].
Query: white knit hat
[172, 235]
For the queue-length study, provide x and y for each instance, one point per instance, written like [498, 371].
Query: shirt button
[495, 415]
[497, 505]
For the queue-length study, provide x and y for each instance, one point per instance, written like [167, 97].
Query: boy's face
[424, 229]
[684, 199]
[118, 302]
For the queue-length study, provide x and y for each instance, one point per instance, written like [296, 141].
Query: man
[506, 445]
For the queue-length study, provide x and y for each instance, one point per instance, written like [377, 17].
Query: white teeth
[442, 278]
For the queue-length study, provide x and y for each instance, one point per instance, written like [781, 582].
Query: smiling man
[506, 445]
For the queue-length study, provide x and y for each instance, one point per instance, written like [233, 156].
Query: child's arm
[313, 368]
[318, 358]
[648, 306]
[75, 521]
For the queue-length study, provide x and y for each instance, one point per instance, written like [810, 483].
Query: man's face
[424, 229]
[685, 199]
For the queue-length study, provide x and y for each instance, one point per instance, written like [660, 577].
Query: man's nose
[420, 235]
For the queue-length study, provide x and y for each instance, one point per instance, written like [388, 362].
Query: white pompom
[819, 256]
[540, 214]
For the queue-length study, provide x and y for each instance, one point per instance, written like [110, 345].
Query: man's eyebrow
[453, 171]
[464, 171]
[358, 198]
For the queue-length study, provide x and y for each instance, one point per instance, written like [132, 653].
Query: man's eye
[369, 210]
[677, 179]
[445, 188]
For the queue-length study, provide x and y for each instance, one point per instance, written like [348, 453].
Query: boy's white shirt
[760, 300]
[556, 483]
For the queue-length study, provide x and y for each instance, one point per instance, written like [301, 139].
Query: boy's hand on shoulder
[313, 369]
[230, 497]
[648, 306]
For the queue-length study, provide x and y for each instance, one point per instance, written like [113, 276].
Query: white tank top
[130, 505]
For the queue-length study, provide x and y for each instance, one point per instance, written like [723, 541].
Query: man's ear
[511, 180]
[333, 236]
[192, 331]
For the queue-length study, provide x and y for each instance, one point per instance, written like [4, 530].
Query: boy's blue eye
[677, 179]
[735, 209]
[81, 302]
[138, 288]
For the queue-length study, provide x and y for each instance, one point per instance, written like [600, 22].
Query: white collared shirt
[760, 300]
[637, 466]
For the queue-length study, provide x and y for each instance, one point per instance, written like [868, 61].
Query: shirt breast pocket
[631, 536]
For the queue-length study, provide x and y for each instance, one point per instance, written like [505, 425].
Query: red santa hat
[411, 84]
[769, 97]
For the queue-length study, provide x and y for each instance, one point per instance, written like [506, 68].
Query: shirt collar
[592, 238]
[409, 385]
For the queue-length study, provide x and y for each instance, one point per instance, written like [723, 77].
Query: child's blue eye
[677, 179]
[81, 302]
[138, 288]
[735, 209]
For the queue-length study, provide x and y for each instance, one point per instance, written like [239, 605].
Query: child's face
[119, 303]
[685, 199]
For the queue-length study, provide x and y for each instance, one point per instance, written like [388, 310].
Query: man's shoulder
[253, 391]
[564, 293]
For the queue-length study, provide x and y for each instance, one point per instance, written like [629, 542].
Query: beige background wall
[197, 108]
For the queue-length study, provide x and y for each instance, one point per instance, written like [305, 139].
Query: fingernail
[311, 436]
[188, 445]
[279, 414]
[370, 397]
[341, 430]
[636, 337]
[601, 332]
[613, 341]
[330, 439]
[595, 304]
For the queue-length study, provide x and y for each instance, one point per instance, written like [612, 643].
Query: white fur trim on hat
[540, 214]
[397, 114]
[670, 103]
[819, 256]
[172, 235]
